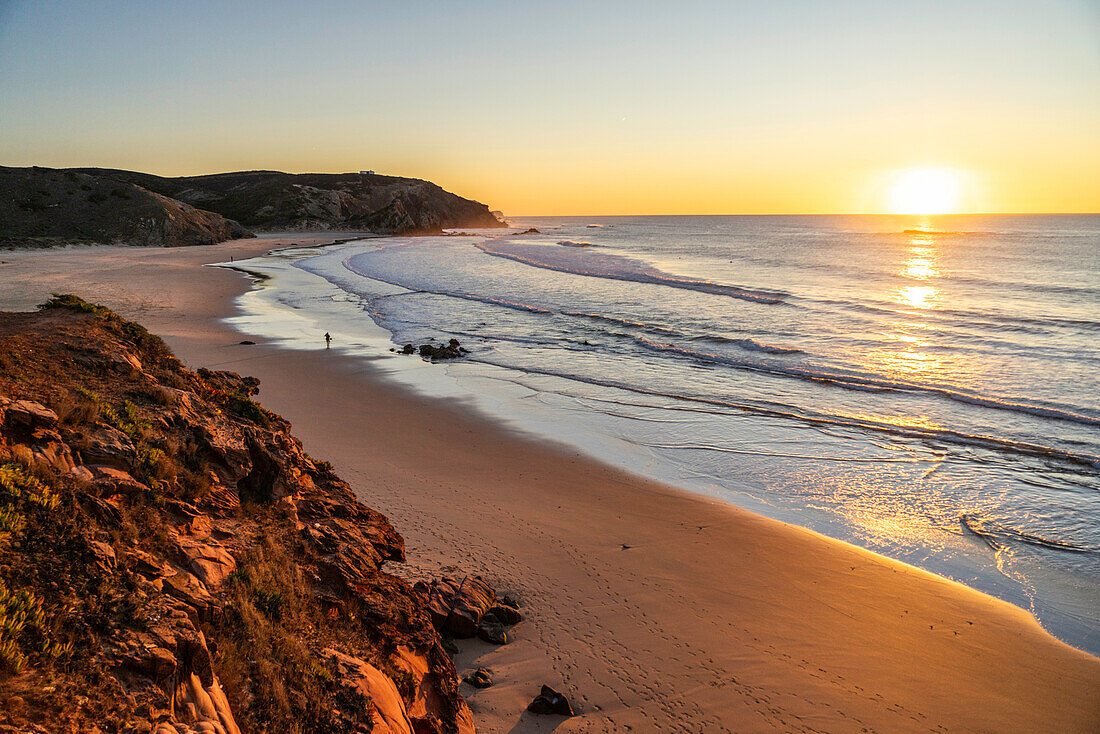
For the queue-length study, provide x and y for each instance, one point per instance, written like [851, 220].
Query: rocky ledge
[172, 561]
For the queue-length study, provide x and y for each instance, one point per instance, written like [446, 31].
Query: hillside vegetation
[44, 206]
[172, 561]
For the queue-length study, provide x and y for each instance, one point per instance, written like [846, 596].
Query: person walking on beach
[328, 340]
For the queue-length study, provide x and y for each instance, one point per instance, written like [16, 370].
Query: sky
[584, 108]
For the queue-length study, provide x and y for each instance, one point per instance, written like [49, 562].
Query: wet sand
[654, 609]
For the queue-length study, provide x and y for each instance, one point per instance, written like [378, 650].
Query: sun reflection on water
[910, 357]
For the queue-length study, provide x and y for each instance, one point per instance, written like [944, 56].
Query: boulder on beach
[550, 702]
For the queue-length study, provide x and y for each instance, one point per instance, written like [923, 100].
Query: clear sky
[774, 106]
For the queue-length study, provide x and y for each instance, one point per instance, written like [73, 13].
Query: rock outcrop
[171, 560]
[468, 607]
[550, 702]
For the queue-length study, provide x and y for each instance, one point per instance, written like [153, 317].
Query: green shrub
[11, 522]
[17, 484]
[20, 613]
[269, 602]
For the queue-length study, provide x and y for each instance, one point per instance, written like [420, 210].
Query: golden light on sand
[925, 191]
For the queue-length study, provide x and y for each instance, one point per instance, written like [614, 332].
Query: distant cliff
[41, 207]
[46, 206]
[307, 201]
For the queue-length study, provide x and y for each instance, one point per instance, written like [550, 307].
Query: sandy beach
[655, 610]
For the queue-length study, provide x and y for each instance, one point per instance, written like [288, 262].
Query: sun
[925, 191]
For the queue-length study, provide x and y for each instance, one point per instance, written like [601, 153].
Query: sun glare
[925, 191]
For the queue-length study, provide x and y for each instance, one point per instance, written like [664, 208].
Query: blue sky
[572, 107]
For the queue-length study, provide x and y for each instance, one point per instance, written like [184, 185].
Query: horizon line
[823, 214]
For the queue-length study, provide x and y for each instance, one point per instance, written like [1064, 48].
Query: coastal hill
[41, 207]
[271, 200]
[171, 560]
[44, 206]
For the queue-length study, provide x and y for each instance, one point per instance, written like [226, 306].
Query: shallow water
[926, 389]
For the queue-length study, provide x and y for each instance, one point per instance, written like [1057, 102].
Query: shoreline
[651, 607]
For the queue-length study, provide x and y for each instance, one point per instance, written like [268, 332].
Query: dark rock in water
[532, 230]
[507, 614]
[480, 678]
[550, 701]
[434, 353]
[408, 349]
[246, 342]
[453, 343]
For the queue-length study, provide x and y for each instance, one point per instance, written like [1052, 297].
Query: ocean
[927, 388]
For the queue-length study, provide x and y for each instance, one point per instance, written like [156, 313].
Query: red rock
[390, 715]
[187, 588]
[109, 447]
[208, 560]
[108, 480]
[26, 415]
[104, 555]
[473, 599]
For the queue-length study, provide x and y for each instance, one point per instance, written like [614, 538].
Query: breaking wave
[617, 267]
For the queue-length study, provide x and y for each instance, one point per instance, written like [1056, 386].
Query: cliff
[172, 561]
[271, 200]
[41, 207]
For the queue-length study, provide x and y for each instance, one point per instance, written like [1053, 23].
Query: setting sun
[925, 191]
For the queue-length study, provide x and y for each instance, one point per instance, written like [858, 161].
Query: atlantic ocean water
[928, 388]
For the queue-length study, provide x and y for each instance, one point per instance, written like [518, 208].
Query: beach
[653, 609]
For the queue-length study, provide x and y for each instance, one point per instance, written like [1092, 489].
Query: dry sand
[715, 619]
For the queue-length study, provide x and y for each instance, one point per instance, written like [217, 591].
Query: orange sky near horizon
[594, 108]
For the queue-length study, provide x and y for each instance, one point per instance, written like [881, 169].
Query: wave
[748, 344]
[997, 536]
[620, 321]
[926, 433]
[783, 455]
[982, 319]
[876, 384]
[504, 303]
[744, 343]
[615, 267]
[945, 232]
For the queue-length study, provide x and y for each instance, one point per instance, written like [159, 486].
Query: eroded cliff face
[172, 561]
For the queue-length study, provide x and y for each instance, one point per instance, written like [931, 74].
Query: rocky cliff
[172, 561]
[41, 207]
[278, 201]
